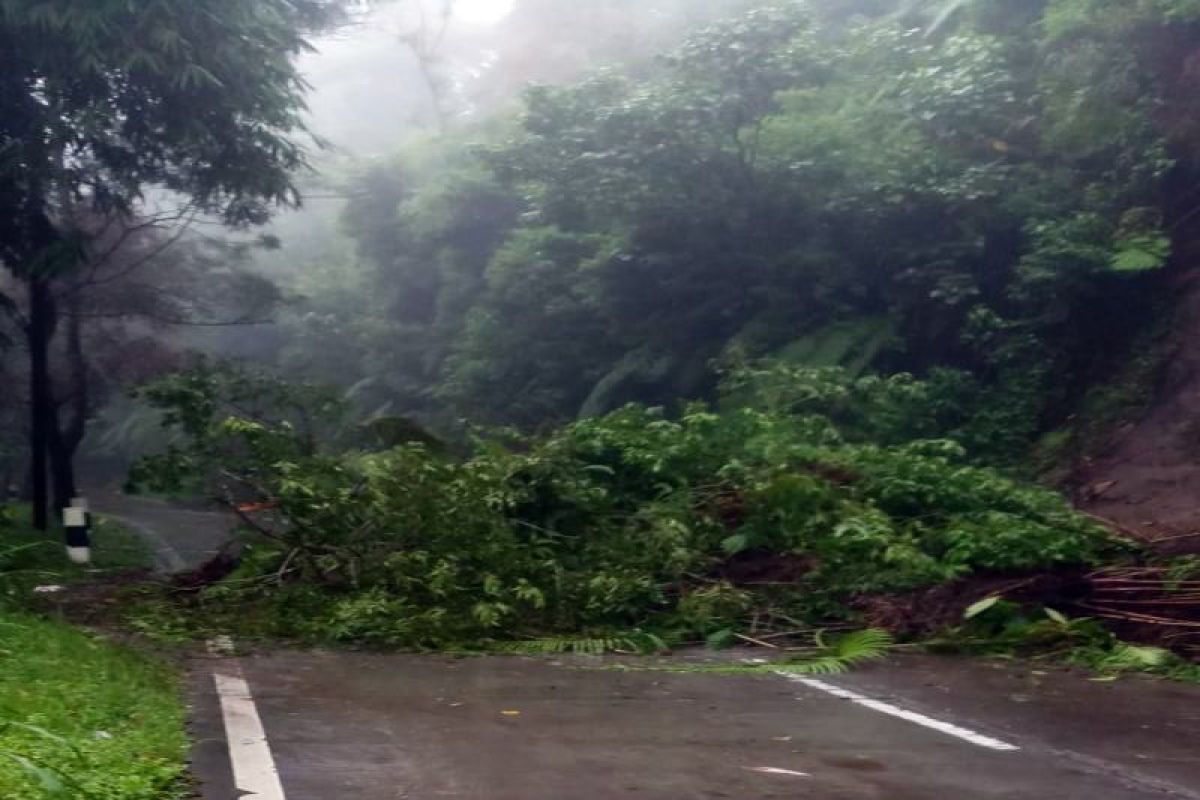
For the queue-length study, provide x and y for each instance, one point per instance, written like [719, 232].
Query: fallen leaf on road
[511, 713]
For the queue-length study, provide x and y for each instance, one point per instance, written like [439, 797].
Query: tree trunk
[62, 467]
[42, 412]
[66, 439]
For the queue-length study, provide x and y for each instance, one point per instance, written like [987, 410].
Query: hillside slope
[1148, 481]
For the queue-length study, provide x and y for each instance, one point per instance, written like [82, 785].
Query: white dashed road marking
[777, 771]
[254, 771]
[947, 728]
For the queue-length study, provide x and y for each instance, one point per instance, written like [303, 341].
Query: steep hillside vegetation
[991, 195]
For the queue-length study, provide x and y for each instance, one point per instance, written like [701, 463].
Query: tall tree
[103, 101]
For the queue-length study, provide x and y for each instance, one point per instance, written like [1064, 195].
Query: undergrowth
[998, 627]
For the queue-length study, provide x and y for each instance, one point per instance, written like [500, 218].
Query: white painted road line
[947, 728]
[254, 771]
[777, 771]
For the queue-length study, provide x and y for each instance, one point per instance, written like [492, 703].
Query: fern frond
[843, 653]
[635, 641]
[818, 665]
[553, 646]
[871, 644]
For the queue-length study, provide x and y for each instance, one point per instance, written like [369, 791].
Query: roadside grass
[30, 558]
[81, 717]
[84, 718]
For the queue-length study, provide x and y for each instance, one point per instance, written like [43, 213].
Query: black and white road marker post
[77, 524]
[82, 502]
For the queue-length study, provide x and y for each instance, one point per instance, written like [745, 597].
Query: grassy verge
[84, 718]
[30, 558]
[81, 717]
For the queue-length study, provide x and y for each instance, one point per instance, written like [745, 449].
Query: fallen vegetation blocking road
[84, 718]
[780, 510]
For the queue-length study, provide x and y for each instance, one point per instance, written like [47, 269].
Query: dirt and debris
[1156, 605]
[212, 571]
[926, 612]
[1145, 604]
[1147, 484]
[760, 567]
[94, 603]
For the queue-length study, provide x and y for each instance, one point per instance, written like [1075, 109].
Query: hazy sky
[482, 11]
[366, 88]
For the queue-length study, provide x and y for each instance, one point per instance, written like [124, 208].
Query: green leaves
[1136, 658]
[207, 105]
[1140, 253]
[635, 641]
[55, 782]
[735, 544]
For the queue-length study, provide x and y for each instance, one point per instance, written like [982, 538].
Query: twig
[287, 562]
[1115, 526]
[758, 642]
[1190, 600]
[249, 521]
[785, 634]
[1192, 535]
[1130, 616]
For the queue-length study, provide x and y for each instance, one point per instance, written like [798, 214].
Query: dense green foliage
[678, 528]
[991, 188]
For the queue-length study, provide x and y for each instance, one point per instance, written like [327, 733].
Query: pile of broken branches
[1148, 603]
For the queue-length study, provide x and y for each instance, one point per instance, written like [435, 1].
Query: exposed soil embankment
[1148, 481]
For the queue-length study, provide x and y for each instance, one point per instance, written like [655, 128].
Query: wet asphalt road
[374, 727]
[353, 726]
[180, 538]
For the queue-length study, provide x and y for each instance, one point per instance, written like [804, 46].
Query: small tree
[102, 101]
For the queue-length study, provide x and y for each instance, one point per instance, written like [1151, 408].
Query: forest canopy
[988, 193]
